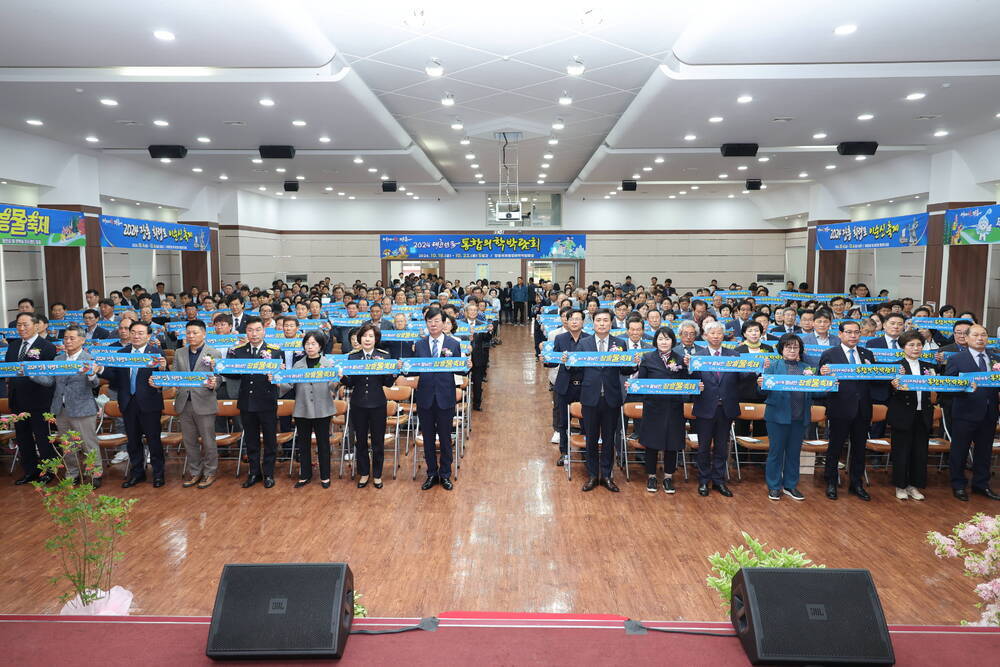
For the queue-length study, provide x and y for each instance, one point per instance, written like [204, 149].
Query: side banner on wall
[972, 226]
[117, 232]
[26, 225]
[900, 231]
[483, 246]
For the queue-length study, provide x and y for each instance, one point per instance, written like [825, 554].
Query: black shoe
[859, 491]
[987, 491]
[652, 485]
[794, 494]
[27, 479]
[251, 480]
[325, 485]
[429, 483]
[446, 484]
[773, 494]
[363, 484]
[723, 489]
[268, 482]
[132, 481]
[961, 494]
[302, 482]
[610, 485]
[831, 491]
[96, 483]
[703, 489]
[477, 408]
[561, 461]
[590, 484]
[46, 478]
[158, 482]
[377, 485]
[668, 485]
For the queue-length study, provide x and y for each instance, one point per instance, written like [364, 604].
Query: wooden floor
[514, 535]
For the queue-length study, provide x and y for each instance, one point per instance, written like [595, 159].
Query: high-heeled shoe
[326, 484]
[377, 483]
[302, 482]
[363, 484]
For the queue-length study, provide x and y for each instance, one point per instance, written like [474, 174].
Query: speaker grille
[818, 616]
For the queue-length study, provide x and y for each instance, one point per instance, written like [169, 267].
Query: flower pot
[115, 602]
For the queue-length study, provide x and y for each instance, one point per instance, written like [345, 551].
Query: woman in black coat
[662, 427]
[910, 414]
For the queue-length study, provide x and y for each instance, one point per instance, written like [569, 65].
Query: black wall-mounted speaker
[277, 152]
[629, 186]
[857, 147]
[171, 151]
[291, 186]
[753, 184]
[739, 150]
[388, 186]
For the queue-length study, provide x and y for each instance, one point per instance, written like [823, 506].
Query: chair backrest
[689, 411]
[286, 407]
[818, 414]
[463, 381]
[576, 410]
[459, 394]
[4, 406]
[397, 393]
[169, 393]
[411, 382]
[168, 409]
[391, 408]
[752, 411]
[111, 409]
[633, 410]
[937, 414]
[339, 408]
[878, 413]
[227, 408]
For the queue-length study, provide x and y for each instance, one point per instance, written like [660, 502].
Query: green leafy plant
[977, 543]
[359, 609]
[739, 556]
[88, 526]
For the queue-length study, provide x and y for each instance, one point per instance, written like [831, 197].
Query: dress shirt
[890, 342]
[851, 353]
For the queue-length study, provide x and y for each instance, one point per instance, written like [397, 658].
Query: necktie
[850, 356]
[132, 375]
[434, 347]
[895, 344]
[982, 362]
[600, 345]
[24, 351]
[718, 376]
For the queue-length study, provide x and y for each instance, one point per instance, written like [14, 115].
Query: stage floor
[514, 535]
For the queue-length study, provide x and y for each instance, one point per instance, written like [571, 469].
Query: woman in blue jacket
[787, 415]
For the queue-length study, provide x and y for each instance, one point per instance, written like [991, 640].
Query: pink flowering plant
[977, 543]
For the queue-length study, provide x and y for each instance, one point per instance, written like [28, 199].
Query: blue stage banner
[901, 231]
[247, 366]
[483, 246]
[982, 379]
[435, 365]
[310, 375]
[937, 323]
[745, 363]
[180, 378]
[222, 341]
[938, 383]
[39, 368]
[972, 226]
[119, 232]
[10, 369]
[884, 356]
[663, 387]
[369, 367]
[881, 372]
[799, 383]
[110, 359]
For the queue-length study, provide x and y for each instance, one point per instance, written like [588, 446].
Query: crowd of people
[657, 331]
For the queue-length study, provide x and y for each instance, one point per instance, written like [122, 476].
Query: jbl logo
[816, 612]
[278, 606]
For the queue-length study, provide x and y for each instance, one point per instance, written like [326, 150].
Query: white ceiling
[655, 71]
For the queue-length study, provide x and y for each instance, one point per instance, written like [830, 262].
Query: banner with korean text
[483, 246]
[118, 232]
[972, 226]
[901, 231]
[26, 225]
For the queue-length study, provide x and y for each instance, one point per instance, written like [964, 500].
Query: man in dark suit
[785, 325]
[32, 434]
[715, 409]
[142, 406]
[892, 326]
[849, 412]
[602, 396]
[435, 399]
[235, 303]
[744, 310]
[258, 404]
[90, 329]
[566, 388]
[973, 419]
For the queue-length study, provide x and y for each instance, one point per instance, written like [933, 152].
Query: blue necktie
[895, 344]
[132, 373]
[434, 347]
[850, 356]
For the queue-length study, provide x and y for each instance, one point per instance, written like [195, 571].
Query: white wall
[464, 270]
[23, 270]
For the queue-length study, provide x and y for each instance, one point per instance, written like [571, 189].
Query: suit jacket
[150, 399]
[367, 389]
[257, 393]
[853, 398]
[781, 330]
[202, 399]
[902, 405]
[72, 394]
[23, 394]
[606, 378]
[313, 400]
[724, 390]
[241, 325]
[810, 339]
[564, 343]
[977, 405]
[436, 388]
[880, 390]
[100, 333]
[662, 424]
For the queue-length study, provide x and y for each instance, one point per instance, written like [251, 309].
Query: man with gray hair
[687, 333]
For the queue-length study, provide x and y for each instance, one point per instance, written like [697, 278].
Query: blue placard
[799, 383]
[10, 369]
[369, 367]
[982, 379]
[341, 322]
[881, 372]
[398, 335]
[745, 363]
[180, 378]
[39, 368]
[483, 246]
[435, 365]
[883, 355]
[285, 344]
[733, 294]
[644, 386]
[111, 359]
[305, 375]
[222, 341]
[117, 232]
[938, 383]
[620, 358]
[936, 323]
[901, 231]
[247, 366]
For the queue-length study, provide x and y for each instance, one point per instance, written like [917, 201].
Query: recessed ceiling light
[866, 116]
[715, 119]
[831, 166]
[329, 188]
[998, 115]
[613, 192]
[299, 123]
[372, 170]
[746, 192]
[819, 135]
[482, 182]
[689, 137]
[456, 125]
[742, 167]
[723, 175]
[223, 177]
[860, 158]
[636, 175]
[744, 99]
[300, 178]
[92, 139]
[165, 160]
[763, 187]
[548, 156]
[434, 68]
[262, 188]
[763, 158]
[683, 192]
[543, 175]
[540, 181]
[351, 197]
[256, 160]
[695, 187]
[465, 141]
[324, 139]
[159, 122]
[647, 169]
[204, 140]
[565, 99]
[558, 124]
[619, 188]
[575, 66]
[34, 121]
[912, 97]
[941, 133]
[163, 35]
[545, 165]
[280, 170]
[553, 141]
[266, 102]
[803, 174]
[671, 196]
[384, 177]
[416, 196]
[358, 160]
[867, 204]
[891, 201]
[916, 197]
[108, 102]
[658, 160]
[731, 196]
[138, 204]
[470, 156]
[607, 196]
[197, 170]
[294, 197]
[844, 30]
[477, 175]
[402, 189]
[448, 100]
[474, 165]
[279, 193]
[5, 183]
[340, 194]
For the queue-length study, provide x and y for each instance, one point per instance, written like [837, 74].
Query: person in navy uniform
[568, 380]
[973, 418]
[602, 396]
[24, 395]
[258, 404]
[142, 406]
[368, 411]
[435, 399]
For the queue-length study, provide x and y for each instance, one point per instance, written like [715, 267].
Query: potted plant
[726, 566]
[88, 528]
[977, 543]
